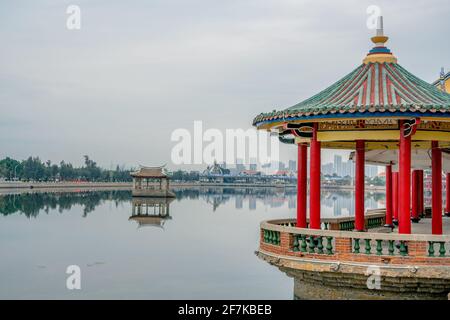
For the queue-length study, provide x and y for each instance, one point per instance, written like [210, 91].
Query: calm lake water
[202, 248]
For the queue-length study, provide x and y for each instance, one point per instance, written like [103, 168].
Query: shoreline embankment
[15, 186]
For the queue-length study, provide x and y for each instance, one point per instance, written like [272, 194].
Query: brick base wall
[343, 251]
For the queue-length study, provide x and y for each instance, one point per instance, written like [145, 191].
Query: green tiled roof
[373, 87]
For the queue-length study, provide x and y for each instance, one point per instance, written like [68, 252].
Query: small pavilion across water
[151, 182]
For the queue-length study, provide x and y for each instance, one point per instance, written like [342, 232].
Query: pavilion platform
[424, 226]
[335, 261]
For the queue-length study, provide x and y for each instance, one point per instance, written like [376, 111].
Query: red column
[420, 190]
[436, 188]
[314, 182]
[447, 194]
[301, 185]
[415, 196]
[404, 183]
[388, 196]
[359, 185]
[395, 197]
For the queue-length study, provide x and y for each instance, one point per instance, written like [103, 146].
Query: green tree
[33, 169]
[66, 171]
[9, 168]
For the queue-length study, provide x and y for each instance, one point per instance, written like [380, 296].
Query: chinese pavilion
[151, 182]
[387, 116]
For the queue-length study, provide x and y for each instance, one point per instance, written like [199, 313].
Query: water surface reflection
[334, 203]
[204, 250]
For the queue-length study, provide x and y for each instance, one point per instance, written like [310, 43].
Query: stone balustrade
[282, 238]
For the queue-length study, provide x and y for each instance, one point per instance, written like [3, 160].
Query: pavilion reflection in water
[150, 212]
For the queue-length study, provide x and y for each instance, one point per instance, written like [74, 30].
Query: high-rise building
[277, 165]
[253, 164]
[338, 165]
[371, 171]
[328, 169]
[240, 165]
[348, 169]
[292, 165]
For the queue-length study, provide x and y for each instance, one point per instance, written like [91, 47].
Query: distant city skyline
[338, 166]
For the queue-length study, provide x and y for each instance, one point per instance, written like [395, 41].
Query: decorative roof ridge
[153, 167]
[430, 86]
[442, 78]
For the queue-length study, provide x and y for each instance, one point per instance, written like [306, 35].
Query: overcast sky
[137, 70]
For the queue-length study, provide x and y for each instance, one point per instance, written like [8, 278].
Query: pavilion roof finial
[380, 29]
[380, 39]
[380, 53]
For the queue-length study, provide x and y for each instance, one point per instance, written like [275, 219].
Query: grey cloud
[138, 70]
